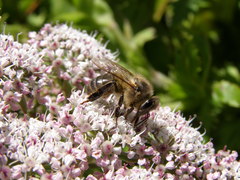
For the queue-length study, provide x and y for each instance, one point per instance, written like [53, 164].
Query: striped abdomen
[99, 82]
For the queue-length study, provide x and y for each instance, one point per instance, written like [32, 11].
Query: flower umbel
[46, 131]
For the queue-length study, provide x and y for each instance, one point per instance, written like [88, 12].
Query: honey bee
[134, 91]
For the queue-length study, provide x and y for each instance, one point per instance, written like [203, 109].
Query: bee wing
[116, 70]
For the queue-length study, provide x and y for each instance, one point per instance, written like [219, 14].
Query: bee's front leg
[140, 120]
[118, 112]
[129, 110]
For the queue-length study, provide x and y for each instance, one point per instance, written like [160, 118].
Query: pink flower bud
[170, 165]
[5, 173]
[107, 147]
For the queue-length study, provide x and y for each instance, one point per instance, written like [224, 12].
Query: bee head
[142, 92]
[143, 86]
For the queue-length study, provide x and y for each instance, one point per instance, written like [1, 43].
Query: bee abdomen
[99, 82]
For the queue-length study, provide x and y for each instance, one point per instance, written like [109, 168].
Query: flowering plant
[46, 132]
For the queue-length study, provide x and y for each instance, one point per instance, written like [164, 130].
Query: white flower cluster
[47, 133]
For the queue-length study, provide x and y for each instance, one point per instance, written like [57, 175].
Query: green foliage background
[188, 49]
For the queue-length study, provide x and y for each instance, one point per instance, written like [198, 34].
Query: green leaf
[225, 92]
[229, 72]
[25, 5]
[36, 20]
[102, 13]
[144, 36]
[233, 72]
[61, 7]
[70, 16]
[127, 29]
[160, 8]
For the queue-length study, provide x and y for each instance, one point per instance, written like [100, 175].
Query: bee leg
[140, 118]
[136, 117]
[100, 92]
[117, 112]
[140, 121]
[129, 110]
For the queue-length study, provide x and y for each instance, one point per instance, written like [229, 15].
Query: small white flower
[69, 159]
[170, 165]
[131, 154]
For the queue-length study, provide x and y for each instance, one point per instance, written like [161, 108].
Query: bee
[134, 91]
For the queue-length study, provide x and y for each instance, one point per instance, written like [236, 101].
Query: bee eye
[148, 105]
